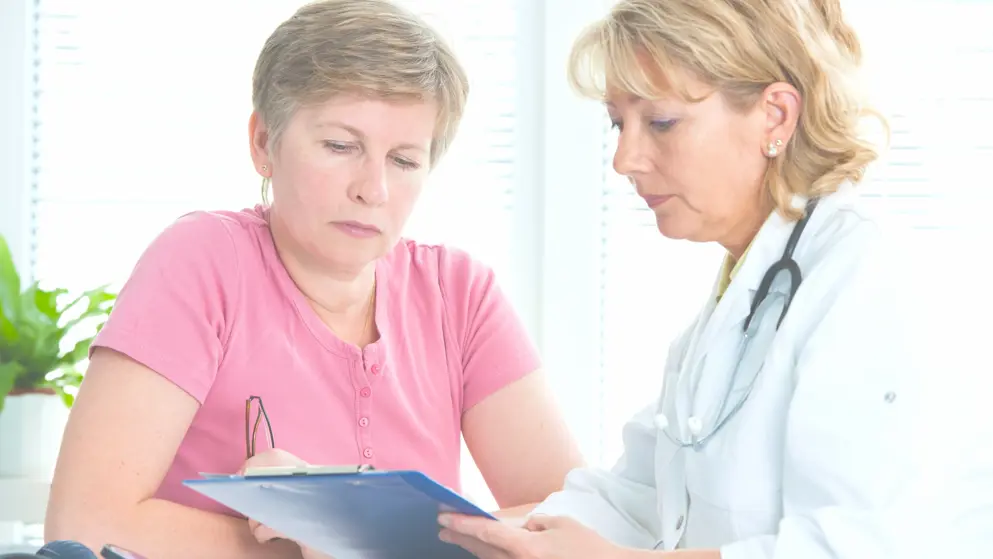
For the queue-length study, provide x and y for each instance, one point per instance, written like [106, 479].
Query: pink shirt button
[364, 422]
[365, 392]
[367, 453]
[375, 369]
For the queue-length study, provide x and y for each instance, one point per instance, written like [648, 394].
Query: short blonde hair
[740, 48]
[367, 47]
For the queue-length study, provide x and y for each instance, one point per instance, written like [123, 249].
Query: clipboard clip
[285, 471]
[269, 471]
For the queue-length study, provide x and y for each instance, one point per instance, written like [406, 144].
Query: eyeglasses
[255, 409]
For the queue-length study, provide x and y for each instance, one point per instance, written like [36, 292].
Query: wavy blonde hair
[367, 47]
[740, 47]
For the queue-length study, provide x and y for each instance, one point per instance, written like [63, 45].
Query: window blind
[935, 88]
[938, 96]
[470, 201]
[141, 116]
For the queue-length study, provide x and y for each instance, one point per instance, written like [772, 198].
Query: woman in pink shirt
[363, 347]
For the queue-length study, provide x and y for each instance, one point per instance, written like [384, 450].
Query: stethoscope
[786, 263]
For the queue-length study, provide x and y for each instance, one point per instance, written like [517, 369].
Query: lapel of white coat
[733, 307]
[729, 314]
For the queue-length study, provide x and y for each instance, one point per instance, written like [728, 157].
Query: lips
[359, 225]
[357, 229]
[654, 201]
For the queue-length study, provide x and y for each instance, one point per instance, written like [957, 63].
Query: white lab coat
[836, 453]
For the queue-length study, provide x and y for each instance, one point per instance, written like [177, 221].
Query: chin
[346, 256]
[672, 228]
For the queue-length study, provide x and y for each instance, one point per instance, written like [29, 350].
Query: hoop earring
[773, 149]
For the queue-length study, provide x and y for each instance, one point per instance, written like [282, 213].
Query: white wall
[14, 126]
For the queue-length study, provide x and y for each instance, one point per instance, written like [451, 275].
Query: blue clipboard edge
[415, 479]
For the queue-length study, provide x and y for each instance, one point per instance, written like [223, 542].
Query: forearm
[691, 554]
[161, 529]
[167, 529]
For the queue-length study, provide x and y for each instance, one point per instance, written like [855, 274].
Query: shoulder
[203, 226]
[843, 219]
[847, 239]
[199, 255]
[217, 238]
[861, 275]
[453, 270]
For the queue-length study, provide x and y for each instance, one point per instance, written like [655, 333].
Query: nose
[371, 187]
[631, 156]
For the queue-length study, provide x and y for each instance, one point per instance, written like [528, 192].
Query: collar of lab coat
[767, 248]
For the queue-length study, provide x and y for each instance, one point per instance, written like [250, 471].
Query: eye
[616, 125]
[406, 164]
[338, 147]
[663, 125]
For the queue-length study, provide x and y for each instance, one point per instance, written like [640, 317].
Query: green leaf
[8, 376]
[97, 307]
[10, 286]
[8, 334]
[67, 398]
[33, 330]
[47, 302]
[30, 312]
[95, 298]
[79, 352]
[68, 376]
[99, 296]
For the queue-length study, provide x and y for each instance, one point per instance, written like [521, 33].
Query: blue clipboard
[354, 515]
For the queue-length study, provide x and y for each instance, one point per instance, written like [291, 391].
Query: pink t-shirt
[210, 307]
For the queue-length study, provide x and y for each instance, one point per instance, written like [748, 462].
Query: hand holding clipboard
[343, 511]
[347, 512]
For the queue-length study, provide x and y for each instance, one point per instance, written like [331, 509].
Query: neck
[333, 291]
[741, 235]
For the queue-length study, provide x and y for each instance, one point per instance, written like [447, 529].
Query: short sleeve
[172, 313]
[495, 347]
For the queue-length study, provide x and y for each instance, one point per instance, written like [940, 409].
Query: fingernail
[445, 520]
[443, 536]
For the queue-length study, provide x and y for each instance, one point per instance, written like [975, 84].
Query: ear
[258, 137]
[780, 104]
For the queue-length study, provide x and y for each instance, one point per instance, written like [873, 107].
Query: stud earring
[265, 168]
[774, 148]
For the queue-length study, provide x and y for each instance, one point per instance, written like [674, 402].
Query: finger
[264, 534]
[486, 530]
[271, 457]
[541, 522]
[515, 521]
[472, 545]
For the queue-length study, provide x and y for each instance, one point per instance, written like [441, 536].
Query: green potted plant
[45, 336]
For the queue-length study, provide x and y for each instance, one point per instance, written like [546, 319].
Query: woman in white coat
[801, 435]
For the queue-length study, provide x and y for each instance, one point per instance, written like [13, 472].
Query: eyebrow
[360, 134]
[629, 97]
